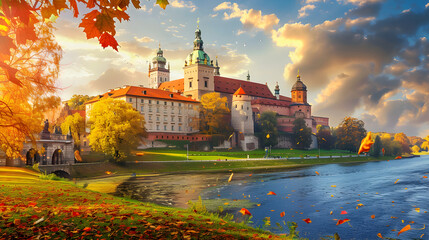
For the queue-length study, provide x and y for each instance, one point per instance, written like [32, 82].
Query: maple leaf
[162, 3]
[342, 221]
[136, 3]
[105, 23]
[88, 25]
[6, 44]
[90, 4]
[10, 73]
[48, 11]
[108, 40]
[25, 33]
[73, 5]
[60, 4]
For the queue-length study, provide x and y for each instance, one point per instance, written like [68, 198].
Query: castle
[170, 107]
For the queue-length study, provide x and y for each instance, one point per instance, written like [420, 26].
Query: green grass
[166, 154]
[32, 207]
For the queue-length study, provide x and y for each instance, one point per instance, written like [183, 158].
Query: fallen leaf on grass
[39, 221]
[87, 229]
[245, 212]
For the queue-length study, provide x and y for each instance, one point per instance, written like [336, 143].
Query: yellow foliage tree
[116, 128]
[415, 149]
[425, 146]
[215, 115]
[23, 100]
[75, 124]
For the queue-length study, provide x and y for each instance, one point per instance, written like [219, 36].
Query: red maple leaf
[108, 40]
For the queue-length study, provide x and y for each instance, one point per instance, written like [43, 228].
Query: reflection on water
[361, 190]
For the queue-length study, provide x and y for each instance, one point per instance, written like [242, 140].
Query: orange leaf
[162, 3]
[425, 176]
[245, 212]
[404, 229]
[73, 5]
[398, 157]
[317, 172]
[250, 175]
[282, 214]
[88, 25]
[372, 216]
[271, 193]
[17, 221]
[343, 212]
[342, 221]
[108, 40]
[87, 229]
[307, 220]
[105, 23]
[230, 177]
[330, 213]
[396, 181]
[157, 228]
[91, 3]
[379, 235]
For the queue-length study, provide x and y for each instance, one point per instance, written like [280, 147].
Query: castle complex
[170, 107]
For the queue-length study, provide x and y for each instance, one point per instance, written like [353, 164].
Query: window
[241, 107]
[141, 108]
[172, 118]
[150, 101]
[157, 118]
[180, 128]
[235, 105]
[150, 108]
[172, 103]
[130, 100]
[165, 118]
[190, 84]
[172, 127]
[157, 102]
[190, 129]
[141, 100]
[180, 111]
[205, 83]
[165, 127]
[180, 119]
[157, 109]
[150, 117]
[180, 104]
[157, 127]
[165, 103]
[84, 143]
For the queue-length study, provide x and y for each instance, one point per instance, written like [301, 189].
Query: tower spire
[248, 75]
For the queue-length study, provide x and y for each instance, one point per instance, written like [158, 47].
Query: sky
[367, 59]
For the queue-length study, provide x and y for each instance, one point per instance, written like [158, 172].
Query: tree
[29, 58]
[404, 141]
[376, 147]
[266, 128]
[301, 134]
[27, 82]
[425, 146]
[325, 140]
[215, 116]
[76, 102]
[350, 133]
[116, 128]
[76, 125]
[415, 149]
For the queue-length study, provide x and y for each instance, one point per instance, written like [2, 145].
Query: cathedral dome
[198, 56]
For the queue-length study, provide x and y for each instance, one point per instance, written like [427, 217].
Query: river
[395, 192]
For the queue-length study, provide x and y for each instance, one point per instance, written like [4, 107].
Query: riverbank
[43, 209]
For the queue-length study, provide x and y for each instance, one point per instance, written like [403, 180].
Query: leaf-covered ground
[38, 209]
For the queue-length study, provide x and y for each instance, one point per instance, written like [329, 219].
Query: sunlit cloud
[303, 11]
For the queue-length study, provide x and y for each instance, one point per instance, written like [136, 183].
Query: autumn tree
[75, 124]
[375, 150]
[29, 57]
[425, 146]
[415, 149]
[301, 134]
[77, 101]
[215, 116]
[350, 133]
[266, 128]
[116, 128]
[325, 139]
[404, 141]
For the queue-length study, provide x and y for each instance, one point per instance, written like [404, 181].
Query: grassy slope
[72, 212]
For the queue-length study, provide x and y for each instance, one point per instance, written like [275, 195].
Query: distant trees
[266, 128]
[376, 147]
[301, 134]
[350, 133]
[325, 139]
[404, 141]
[391, 147]
[425, 146]
[76, 125]
[76, 102]
[116, 128]
[215, 117]
[415, 149]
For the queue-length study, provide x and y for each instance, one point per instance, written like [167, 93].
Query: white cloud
[303, 11]
[360, 2]
[406, 10]
[358, 21]
[143, 39]
[427, 5]
[214, 15]
[146, 9]
[183, 4]
[250, 18]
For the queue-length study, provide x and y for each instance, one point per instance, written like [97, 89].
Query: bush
[36, 167]
[51, 177]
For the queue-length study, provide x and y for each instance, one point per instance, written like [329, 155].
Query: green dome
[159, 59]
[198, 55]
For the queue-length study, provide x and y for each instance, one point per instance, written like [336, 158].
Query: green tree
[350, 133]
[116, 128]
[375, 150]
[76, 125]
[76, 102]
[325, 140]
[266, 128]
[301, 134]
[404, 141]
[215, 116]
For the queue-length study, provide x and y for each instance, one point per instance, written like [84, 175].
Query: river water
[302, 194]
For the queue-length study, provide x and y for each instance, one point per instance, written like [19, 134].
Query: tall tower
[241, 112]
[299, 106]
[216, 72]
[158, 73]
[198, 71]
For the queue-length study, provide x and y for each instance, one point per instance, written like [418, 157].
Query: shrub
[51, 177]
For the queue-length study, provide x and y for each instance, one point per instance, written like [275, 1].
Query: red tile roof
[172, 86]
[273, 102]
[230, 85]
[143, 92]
[240, 91]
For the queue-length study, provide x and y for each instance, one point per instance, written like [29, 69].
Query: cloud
[427, 5]
[361, 2]
[250, 18]
[146, 9]
[406, 11]
[303, 11]
[359, 21]
[183, 4]
[143, 39]
[366, 10]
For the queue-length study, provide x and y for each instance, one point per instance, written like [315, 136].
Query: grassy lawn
[166, 154]
[34, 208]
